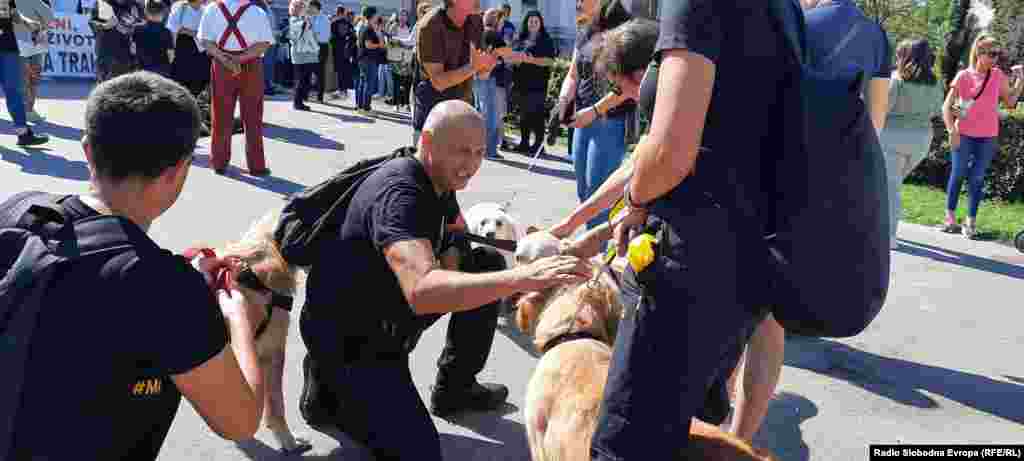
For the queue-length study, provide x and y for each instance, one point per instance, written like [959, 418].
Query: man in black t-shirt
[119, 341]
[711, 191]
[391, 275]
[343, 41]
[154, 44]
[12, 71]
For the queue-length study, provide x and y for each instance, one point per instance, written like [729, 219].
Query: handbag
[966, 103]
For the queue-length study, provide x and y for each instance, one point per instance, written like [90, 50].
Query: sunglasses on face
[990, 53]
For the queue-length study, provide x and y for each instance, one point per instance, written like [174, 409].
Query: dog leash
[501, 244]
[533, 161]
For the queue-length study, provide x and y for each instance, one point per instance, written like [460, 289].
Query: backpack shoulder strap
[850, 35]
[30, 277]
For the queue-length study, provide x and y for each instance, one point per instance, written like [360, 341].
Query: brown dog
[257, 250]
[574, 328]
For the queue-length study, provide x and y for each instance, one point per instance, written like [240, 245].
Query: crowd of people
[457, 69]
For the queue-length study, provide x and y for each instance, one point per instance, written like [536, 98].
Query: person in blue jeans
[485, 86]
[971, 115]
[269, 56]
[12, 71]
[599, 141]
[371, 54]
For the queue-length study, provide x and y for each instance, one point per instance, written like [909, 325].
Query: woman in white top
[191, 66]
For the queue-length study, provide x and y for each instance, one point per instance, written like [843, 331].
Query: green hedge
[1005, 180]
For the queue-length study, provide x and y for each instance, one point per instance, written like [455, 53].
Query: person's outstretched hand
[552, 271]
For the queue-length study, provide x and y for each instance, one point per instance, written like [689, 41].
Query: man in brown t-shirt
[447, 42]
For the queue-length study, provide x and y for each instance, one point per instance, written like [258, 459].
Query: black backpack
[830, 250]
[831, 246]
[37, 240]
[300, 231]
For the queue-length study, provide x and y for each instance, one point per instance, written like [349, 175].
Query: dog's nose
[490, 235]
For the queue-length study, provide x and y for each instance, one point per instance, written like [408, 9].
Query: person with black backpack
[108, 330]
[723, 227]
[393, 269]
[839, 37]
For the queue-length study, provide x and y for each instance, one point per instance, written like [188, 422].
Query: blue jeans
[269, 59]
[979, 152]
[367, 85]
[486, 92]
[387, 81]
[12, 72]
[598, 151]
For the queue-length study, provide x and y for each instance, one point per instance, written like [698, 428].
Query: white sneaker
[34, 117]
[970, 231]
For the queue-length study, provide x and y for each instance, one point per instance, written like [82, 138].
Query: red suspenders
[232, 27]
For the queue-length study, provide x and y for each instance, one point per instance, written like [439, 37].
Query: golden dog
[257, 250]
[574, 328]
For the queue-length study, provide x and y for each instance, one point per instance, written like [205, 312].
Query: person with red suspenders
[236, 35]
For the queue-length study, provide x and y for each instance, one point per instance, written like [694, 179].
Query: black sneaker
[316, 413]
[446, 402]
[28, 138]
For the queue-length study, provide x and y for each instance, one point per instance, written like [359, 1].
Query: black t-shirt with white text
[98, 381]
[354, 289]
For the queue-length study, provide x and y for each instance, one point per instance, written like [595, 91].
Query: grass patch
[997, 220]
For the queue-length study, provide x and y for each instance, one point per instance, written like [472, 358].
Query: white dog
[492, 220]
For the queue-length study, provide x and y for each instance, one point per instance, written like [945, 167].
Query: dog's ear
[527, 311]
[531, 229]
[524, 309]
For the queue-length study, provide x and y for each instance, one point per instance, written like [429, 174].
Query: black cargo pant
[688, 316]
[375, 400]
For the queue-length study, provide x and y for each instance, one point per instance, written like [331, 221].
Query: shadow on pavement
[903, 381]
[543, 156]
[961, 259]
[300, 136]
[509, 443]
[65, 88]
[509, 435]
[564, 174]
[393, 117]
[780, 432]
[39, 161]
[271, 183]
[48, 128]
[507, 326]
[345, 118]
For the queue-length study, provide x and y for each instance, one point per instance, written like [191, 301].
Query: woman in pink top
[971, 116]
